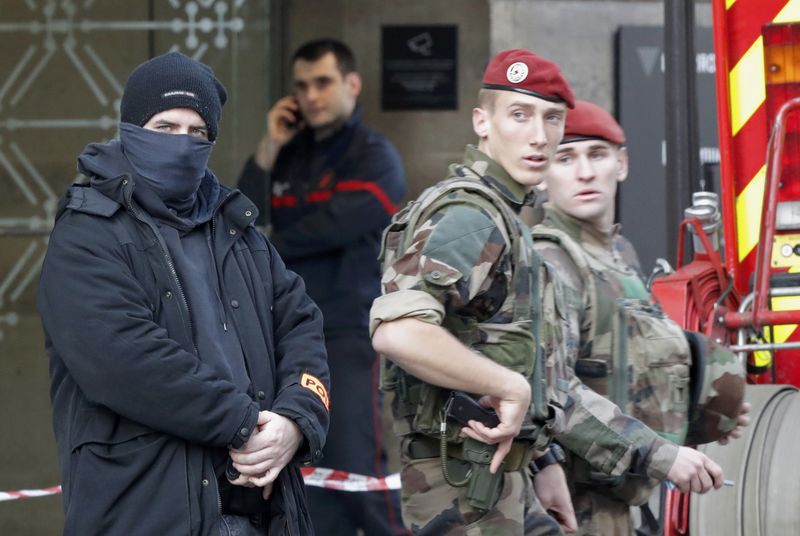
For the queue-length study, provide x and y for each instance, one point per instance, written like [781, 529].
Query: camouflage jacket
[717, 377]
[459, 265]
[646, 452]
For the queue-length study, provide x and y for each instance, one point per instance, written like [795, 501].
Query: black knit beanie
[169, 81]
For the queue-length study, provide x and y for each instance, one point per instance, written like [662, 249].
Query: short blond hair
[487, 98]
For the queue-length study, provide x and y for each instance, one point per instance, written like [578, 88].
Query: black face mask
[172, 165]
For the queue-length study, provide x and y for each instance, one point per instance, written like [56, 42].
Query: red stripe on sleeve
[284, 201]
[371, 187]
[319, 197]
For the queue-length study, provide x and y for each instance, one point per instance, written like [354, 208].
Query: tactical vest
[515, 345]
[634, 354]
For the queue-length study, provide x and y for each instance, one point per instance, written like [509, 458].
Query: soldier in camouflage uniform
[579, 238]
[457, 314]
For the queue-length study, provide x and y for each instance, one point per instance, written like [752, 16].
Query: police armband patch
[317, 387]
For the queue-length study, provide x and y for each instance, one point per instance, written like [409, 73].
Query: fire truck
[739, 281]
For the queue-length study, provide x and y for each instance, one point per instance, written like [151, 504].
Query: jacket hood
[105, 166]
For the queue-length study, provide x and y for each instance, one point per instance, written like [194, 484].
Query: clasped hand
[266, 453]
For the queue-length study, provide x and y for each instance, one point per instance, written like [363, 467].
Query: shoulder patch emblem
[317, 387]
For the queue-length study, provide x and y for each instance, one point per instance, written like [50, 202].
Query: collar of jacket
[103, 197]
[498, 178]
[581, 231]
[354, 119]
[306, 135]
[237, 210]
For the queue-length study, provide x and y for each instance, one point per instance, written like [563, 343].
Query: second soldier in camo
[579, 237]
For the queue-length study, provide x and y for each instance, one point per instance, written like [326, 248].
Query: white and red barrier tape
[343, 481]
[28, 493]
[317, 477]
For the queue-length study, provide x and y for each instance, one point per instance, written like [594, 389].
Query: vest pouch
[484, 488]
[652, 363]
[428, 418]
[393, 236]
[510, 345]
[391, 245]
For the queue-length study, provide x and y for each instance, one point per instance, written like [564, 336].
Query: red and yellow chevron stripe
[741, 96]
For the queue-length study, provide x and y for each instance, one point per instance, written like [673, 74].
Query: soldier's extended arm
[598, 431]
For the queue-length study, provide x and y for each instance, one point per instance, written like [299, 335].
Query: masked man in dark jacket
[189, 376]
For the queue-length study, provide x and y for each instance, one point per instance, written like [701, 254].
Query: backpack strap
[578, 256]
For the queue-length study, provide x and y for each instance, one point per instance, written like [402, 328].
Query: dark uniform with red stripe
[329, 202]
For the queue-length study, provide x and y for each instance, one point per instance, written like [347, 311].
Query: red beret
[589, 121]
[524, 72]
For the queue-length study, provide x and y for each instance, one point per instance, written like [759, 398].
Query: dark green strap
[537, 379]
[619, 382]
[600, 309]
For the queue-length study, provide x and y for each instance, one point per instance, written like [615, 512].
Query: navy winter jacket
[140, 421]
[329, 202]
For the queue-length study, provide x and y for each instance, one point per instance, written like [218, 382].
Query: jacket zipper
[219, 496]
[165, 252]
[216, 273]
[221, 296]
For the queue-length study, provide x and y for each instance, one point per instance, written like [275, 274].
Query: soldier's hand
[741, 421]
[282, 125]
[511, 410]
[694, 471]
[552, 491]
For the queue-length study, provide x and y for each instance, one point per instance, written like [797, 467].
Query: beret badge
[517, 72]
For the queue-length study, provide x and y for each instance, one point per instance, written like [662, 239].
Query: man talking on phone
[328, 186]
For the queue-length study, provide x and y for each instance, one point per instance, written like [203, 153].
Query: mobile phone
[297, 117]
[462, 408]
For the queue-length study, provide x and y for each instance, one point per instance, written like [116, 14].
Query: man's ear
[622, 158]
[480, 122]
[353, 81]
